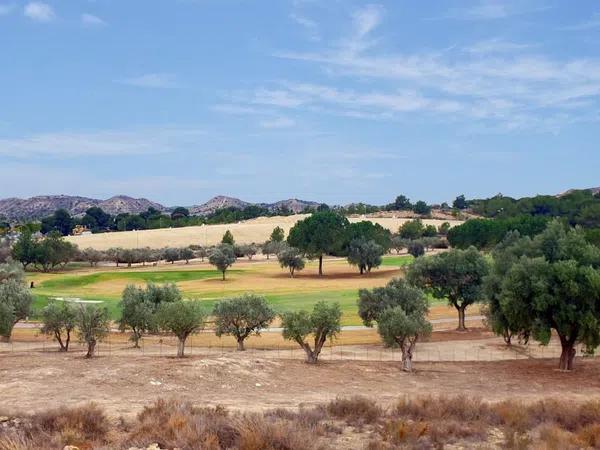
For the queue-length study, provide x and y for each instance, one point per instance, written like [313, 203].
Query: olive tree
[182, 318]
[456, 275]
[272, 248]
[15, 298]
[323, 323]
[93, 324]
[222, 257]
[92, 256]
[365, 254]
[400, 311]
[136, 313]
[550, 283]
[139, 305]
[291, 258]
[416, 248]
[242, 316]
[58, 320]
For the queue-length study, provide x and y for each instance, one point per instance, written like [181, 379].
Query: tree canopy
[323, 323]
[242, 316]
[550, 282]
[320, 234]
[456, 275]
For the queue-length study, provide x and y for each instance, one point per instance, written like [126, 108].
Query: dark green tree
[460, 202]
[411, 229]
[456, 275]
[400, 311]
[180, 213]
[421, 208]
[320, 234]
[228, 238]
[549, 283]
[277, 235]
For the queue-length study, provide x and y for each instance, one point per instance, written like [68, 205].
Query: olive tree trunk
[461, 317]
[567, 354]
[320, 265]
[91, 348]
[181, 346]
[240, 344]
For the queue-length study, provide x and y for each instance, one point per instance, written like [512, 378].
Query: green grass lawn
[81, 286]
[398, 261]
[172, 276]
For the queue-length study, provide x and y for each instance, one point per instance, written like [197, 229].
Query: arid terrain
[123, 383]
[255, 230]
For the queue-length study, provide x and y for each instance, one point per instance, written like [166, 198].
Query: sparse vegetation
[420, 422]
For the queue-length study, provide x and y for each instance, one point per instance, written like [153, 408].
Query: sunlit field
[198, 280]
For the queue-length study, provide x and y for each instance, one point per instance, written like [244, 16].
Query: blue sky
[335, 101]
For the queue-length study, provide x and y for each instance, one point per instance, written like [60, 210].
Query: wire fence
[489, 349]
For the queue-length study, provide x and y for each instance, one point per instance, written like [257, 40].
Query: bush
[355, 410]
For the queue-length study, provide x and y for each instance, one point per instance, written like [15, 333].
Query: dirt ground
[123, 383]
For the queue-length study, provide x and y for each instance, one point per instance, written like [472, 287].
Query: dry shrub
[356, 410]
[305, 417]
[514, 416]
[458, 408]
[258, 434]
[179, 424]
[553, 437]
[568, 415]
[589, 436]
[79, 426]
[398, 432]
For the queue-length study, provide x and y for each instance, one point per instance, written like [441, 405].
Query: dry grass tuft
[355, 410]
[426, 422]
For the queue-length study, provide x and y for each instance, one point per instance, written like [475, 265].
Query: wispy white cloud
[495, 9]
[6, 8]
[310, 26]
[496, 45]
[102, 143]
[91, 20]
[497, 80]
[152, 80]
[277, 122]
[40, 12]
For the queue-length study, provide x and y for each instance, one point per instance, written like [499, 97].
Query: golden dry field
[255, 230]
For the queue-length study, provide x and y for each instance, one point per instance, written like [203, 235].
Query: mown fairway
[200, 281]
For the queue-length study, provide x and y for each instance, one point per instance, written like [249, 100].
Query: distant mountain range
[41, 206]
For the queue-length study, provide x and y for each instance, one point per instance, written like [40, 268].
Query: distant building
[80, 230]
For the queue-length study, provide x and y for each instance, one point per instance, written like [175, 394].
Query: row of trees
[534, 287]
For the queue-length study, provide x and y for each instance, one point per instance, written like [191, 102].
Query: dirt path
[123, 384]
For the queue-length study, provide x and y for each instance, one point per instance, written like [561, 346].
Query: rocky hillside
[215, 203]
[44, 205]
[222, 201]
